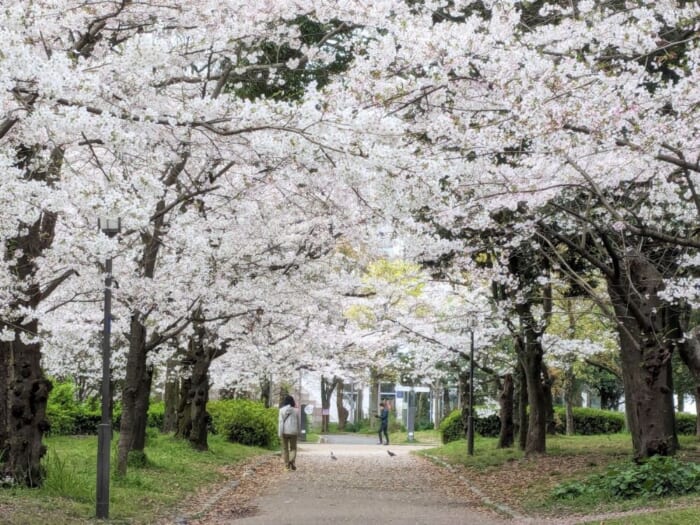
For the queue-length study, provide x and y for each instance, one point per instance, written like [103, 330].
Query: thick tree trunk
[132, 395]
[530, 354]
[202, 357]
[25, 390]
[646, 345]
[27, 393]
[184, 413]
[143, 400]
[506, 403]
[537, 420]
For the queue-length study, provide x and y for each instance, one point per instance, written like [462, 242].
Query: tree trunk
[547, 383]
[184, 413]
[697, 411]
[25, 390]
[446, 407]
[690, 354]
[27, 393]
[132, 395]
[569, 393]
[360, 399]
[521, 409]
[463, 379]
[171, 397]
[5, 347]
[327, 388]
[646, 345]
[202, 357]
[506, 403]
[342, 411]
[373, 398]
[537, 420]
[143, 400]
[530, 354]
[680, 405]
[266, 390]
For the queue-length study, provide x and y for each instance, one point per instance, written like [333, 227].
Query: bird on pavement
[333, 456]
[392, 454]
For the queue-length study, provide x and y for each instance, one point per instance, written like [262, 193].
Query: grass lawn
[672, 517]
[526, 484]
[174, 471]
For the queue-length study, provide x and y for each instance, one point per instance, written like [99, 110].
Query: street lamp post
[109, 227]
[470, 418]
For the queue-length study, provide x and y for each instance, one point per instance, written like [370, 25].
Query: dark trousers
[383, 429]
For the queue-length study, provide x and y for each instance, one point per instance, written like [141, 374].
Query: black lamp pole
[110, 227]
[470, 419]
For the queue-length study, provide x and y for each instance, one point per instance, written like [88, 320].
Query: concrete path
[366, 485]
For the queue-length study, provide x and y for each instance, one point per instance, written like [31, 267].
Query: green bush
[590, 421]
[67, 416]
[685, 424]
[451, 428]
[245, 422]
[487, 426]
[659, 476]
[156, 415]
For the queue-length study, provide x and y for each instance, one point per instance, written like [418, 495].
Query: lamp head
[109, 225]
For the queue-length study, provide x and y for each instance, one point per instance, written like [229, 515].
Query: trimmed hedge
[452, 429]
[590, 421]
[245, 422]
[587, 421]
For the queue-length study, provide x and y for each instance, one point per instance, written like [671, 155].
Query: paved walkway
[367, 485]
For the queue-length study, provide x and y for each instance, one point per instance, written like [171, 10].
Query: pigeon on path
[390, 453]
[333, 456]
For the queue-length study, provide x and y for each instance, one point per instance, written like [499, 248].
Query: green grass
[671, 517]
[173, 471]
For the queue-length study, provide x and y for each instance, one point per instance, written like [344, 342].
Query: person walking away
[383, 423]
[288, 429]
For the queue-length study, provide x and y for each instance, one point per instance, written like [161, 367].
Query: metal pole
[104, 429]
[470, 419]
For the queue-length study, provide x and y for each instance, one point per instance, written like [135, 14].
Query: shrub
[590, 421]
[70, 417]
[156, 415]
[487, 426]
[685, 424]
[656, 477]
[451, 428]
[245, 422]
